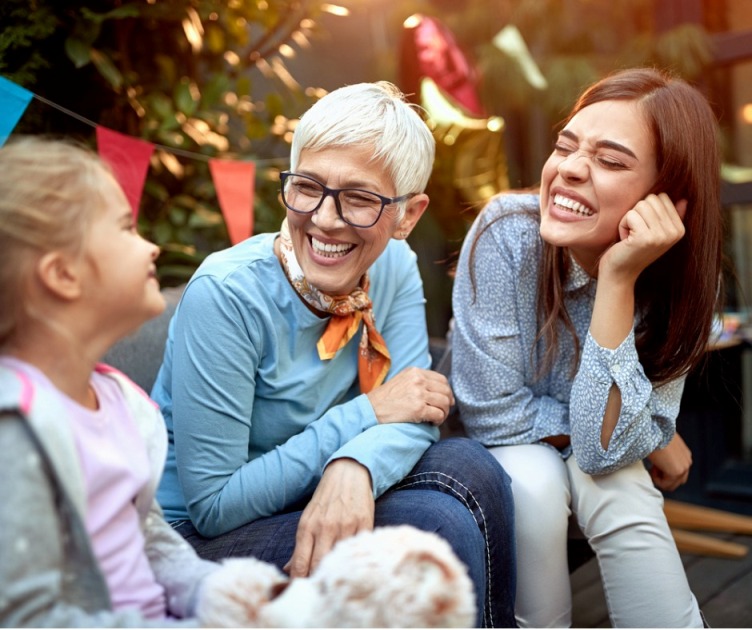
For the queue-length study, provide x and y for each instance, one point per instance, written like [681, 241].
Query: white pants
[621, 514]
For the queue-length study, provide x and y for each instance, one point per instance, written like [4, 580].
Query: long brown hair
[676, 296]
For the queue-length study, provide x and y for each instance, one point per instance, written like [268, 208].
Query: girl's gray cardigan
[48, 573]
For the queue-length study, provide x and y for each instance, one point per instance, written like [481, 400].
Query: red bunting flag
[129, 159]
[234, 183]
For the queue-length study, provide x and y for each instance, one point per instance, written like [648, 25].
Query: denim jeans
[457, 490]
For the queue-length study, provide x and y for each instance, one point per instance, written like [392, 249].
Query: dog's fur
[389, 577]
[234, 594]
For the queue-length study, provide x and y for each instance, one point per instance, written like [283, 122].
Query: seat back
[139, 355]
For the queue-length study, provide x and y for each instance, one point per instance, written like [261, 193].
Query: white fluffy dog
[389, 577]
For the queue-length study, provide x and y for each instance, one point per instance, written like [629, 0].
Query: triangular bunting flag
[13, 103]
[129, 159]
[234, 182]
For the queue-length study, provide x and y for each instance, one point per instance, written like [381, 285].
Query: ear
[60, 275]
[414, 210]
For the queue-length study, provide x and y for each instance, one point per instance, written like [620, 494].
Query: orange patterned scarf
[347, 313]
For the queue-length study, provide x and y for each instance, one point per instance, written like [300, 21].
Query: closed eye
[563, 149]
[359, 198]
[128, 223]
[306, 188]
[607, 162]
[610, 163]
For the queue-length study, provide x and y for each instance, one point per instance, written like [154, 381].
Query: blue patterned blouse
[495, 357]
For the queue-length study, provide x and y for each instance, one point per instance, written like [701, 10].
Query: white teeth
[574, 206]
[330, 248]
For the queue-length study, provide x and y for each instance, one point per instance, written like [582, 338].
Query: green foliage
[20, 30]
[576, 42]
[186, 75]
[573, 43]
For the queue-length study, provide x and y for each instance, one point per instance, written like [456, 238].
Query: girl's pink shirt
[115, 468]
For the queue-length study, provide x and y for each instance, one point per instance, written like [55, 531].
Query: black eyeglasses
[356, 207]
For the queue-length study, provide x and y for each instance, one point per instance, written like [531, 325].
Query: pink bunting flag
[234, 182]
[129, 159]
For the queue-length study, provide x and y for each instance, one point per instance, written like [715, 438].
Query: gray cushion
[139, 355]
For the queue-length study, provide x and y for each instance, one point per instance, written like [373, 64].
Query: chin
[159, 307]
[154, 306]
[333, 290]
[548, 233]
[332, 280]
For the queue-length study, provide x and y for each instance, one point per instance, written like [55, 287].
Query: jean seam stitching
[405, 483]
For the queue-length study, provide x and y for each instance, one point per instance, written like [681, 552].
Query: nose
[327, 217]
[573, 168]
[155, 249]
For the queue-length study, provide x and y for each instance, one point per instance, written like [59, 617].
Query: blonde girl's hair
[50, 192]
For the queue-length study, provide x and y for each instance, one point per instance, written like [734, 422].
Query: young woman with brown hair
[579, 312]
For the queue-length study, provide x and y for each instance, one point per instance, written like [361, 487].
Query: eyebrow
[607, 144]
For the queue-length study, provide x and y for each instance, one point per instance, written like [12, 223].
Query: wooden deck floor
[723, 588]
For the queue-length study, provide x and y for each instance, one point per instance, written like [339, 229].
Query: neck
[588, 262]
[310, 307]
[67, 364]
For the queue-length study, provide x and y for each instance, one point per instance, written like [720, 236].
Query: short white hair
[371, 114]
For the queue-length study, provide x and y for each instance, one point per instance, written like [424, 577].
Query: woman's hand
[646, 232]
[671, 465]
[341, 506]
[414, 395]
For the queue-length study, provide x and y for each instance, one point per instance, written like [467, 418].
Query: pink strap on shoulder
[27, 392]
[103, 368]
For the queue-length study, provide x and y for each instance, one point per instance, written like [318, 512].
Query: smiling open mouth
[331, 250]
[572, 206]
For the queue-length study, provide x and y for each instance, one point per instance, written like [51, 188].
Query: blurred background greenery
[229, 78]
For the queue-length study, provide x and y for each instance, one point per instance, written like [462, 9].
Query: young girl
[83, 541]
[578, 314]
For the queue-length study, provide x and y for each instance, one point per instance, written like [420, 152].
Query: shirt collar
[577, 278]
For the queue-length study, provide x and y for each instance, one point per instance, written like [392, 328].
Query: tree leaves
[78, 51]
[106, 68]
[178, 74]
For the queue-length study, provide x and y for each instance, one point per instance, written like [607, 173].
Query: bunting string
[174, 150]
[129, 158]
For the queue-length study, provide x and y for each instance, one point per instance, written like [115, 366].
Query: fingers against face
[646, 232]
[656, 220]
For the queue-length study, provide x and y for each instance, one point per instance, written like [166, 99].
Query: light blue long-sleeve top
[253, 414]
[501, 401]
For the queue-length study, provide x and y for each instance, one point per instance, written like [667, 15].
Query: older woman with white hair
[296, 384]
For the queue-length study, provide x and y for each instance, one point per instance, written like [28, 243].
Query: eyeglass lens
[358, 207]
